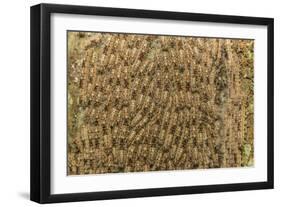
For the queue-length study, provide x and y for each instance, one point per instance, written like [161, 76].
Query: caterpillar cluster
[151, 103]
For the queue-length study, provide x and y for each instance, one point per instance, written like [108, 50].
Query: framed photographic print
[133, 103]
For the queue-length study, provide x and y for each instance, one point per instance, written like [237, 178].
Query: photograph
[141, 102]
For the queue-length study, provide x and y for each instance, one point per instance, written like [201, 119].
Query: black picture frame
[41, 96]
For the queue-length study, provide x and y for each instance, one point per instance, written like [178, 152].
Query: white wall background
[14, 101]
